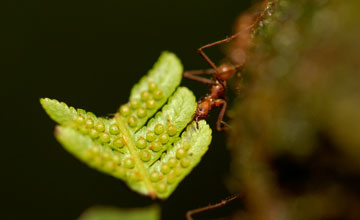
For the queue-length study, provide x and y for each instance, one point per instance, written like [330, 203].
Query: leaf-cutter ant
[224, 72]
[217, 97]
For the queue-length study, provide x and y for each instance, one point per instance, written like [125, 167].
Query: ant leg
[265, 3]
[225, 124]
[223, 103]
[190, 213]
[197, 122]
[193, 75]
[207, 59]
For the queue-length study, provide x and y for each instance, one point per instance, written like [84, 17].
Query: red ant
[222, 73]
[217, 96]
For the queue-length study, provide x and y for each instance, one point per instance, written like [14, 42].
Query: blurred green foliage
[296, 138]
[109, 213]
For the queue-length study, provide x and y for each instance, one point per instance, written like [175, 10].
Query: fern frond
[112, 213]
[151, 159]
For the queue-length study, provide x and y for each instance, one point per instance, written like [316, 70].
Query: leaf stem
[132, 148]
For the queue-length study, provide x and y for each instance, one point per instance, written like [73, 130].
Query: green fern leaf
[58, 111]
[151, 159]
[112, 213]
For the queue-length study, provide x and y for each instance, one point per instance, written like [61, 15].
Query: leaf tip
[43, 102]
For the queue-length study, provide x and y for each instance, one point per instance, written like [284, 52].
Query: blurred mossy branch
[153, 158]
[295, 143]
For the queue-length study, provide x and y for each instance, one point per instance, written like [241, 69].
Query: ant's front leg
[193, 75]
[223, 103]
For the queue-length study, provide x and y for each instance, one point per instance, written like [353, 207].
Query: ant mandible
[217, 97]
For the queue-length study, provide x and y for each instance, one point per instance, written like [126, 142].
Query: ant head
[202, 110]
[226, 71]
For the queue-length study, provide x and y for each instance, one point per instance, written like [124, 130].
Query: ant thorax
[218, 90]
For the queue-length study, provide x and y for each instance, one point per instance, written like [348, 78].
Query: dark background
[89, 54]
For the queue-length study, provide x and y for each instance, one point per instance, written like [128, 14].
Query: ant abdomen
[225, 71]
